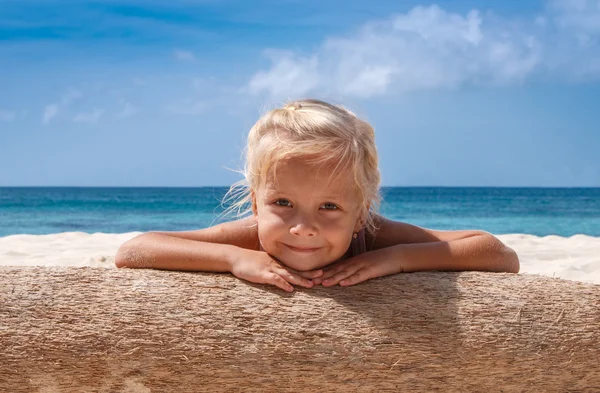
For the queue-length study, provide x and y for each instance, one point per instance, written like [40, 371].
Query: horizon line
[383, 186]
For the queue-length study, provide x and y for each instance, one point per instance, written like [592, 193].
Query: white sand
[573, 258]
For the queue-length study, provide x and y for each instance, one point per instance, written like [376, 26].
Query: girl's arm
[242, 233]
[398, 247]
[392, 232]
[229, 247]
[209, 249]
[426, 249]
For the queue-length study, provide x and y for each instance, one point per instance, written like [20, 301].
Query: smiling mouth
[302, 249]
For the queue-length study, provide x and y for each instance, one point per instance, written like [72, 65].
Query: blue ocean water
[537, 211]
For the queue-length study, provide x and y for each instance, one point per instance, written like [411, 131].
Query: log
[131, 330]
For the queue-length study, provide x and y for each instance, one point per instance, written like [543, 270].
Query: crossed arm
[400, 247]
[396, 247]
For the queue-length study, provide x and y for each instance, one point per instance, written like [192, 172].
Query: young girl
[312, 184]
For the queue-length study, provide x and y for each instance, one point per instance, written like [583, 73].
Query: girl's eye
[330, 206]
[283, 202]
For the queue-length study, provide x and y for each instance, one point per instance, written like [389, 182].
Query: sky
[144, 93]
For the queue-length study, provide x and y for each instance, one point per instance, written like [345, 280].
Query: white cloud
[89, 117]
[70, 96]
[290, 73]
[127, 109]
[7, 115]
[183, 55]
[575, 46]
[581, 15]
[430, 48]
[51, 110]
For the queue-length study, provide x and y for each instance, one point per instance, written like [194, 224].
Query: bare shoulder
[242, 233]
[390, 233]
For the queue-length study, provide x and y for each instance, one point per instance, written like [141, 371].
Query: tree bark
[131, 330]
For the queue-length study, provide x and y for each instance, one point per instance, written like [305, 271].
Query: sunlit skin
[306, 217]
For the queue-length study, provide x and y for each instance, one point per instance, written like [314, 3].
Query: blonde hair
[320, 133]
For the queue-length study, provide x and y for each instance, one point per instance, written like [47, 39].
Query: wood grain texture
[130, 330]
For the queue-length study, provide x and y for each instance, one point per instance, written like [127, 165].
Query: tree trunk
[130, 330]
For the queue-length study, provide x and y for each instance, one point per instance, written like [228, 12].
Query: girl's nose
[303, 229]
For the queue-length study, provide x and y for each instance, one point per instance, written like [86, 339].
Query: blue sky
[149, 93]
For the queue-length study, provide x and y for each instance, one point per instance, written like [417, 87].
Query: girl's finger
[275, 279]
[310, 273]
[336, 278]
[360, 276]
[332, 271]
[294, 278]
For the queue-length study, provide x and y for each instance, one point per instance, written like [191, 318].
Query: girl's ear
[362, 219]
[357, 226]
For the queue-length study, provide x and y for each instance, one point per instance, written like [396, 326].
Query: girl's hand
[259, 267]
[357, 269]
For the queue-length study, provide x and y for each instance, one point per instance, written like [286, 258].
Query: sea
[536, 211]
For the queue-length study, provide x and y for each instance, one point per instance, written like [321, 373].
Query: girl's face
[305, 219]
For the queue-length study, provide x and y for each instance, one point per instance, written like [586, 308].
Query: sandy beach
[572, 258]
